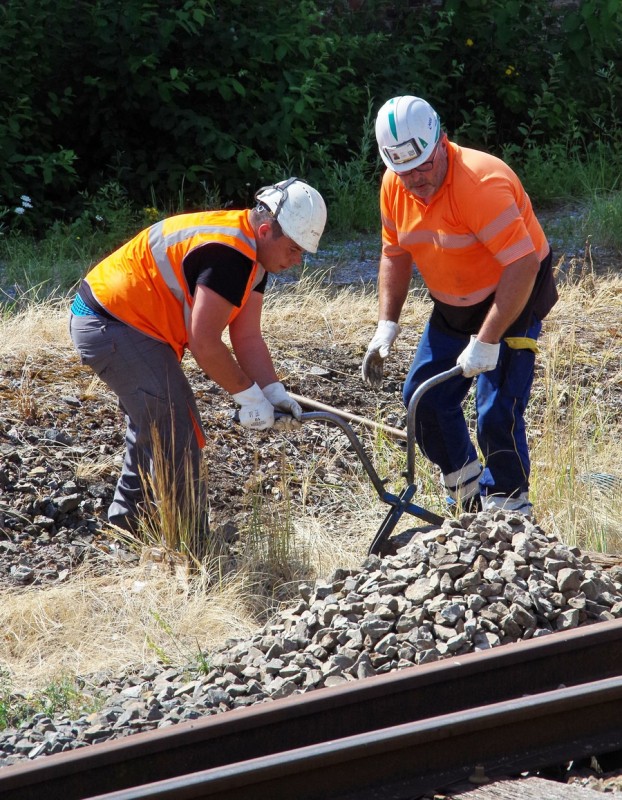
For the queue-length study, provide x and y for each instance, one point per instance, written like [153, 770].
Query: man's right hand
[372, 368]
[256, 411]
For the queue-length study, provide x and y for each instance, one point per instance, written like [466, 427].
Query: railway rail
[523, 706]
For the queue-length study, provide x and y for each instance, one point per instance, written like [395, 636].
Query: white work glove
[478, 357]
[372, 368]
[256, 411]
[276, 394]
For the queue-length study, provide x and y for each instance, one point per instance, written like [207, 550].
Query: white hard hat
[298, 208]
[407, 131]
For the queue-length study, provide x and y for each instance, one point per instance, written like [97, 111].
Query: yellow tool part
[522, 343]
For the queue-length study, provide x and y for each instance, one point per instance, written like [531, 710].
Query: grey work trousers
[154, 394]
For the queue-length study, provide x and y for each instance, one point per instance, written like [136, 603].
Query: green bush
[176, 102]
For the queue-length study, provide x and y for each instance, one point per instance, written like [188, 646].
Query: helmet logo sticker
[393, 124]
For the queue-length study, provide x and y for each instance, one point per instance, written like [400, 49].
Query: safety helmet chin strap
[280, 187]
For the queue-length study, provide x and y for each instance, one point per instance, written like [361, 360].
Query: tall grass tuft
[173, 523]
[576, 427]
[602, 220]
[272, 557]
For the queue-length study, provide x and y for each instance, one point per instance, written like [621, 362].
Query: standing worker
[464, 220]
[177, 285]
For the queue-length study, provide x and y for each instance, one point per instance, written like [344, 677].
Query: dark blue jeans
[501, 399]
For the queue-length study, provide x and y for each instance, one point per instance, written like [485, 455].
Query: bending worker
[463, 218]
[177, 285]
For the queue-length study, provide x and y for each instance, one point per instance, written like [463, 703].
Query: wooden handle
[306, 401]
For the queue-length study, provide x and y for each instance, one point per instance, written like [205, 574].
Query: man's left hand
[276, 394]
[478, 357]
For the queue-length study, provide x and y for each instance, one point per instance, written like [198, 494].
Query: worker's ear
[264, 231]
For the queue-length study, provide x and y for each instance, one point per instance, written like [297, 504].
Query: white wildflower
[20, 210]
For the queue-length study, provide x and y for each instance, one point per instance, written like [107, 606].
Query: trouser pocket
[92, 340]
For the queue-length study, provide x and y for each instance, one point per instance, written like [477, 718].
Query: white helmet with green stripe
[407, 131]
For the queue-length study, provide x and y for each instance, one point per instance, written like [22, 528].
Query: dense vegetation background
[198, 102]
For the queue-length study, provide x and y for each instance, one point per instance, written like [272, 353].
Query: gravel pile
[478, 582]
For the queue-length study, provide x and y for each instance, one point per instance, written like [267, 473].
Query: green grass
[65, 694]
[602, 220]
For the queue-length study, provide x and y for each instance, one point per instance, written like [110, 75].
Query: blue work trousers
[501, 398]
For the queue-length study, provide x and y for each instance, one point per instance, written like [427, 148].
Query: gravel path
[476, 582]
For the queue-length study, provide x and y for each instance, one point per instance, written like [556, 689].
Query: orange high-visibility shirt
[479, 221]
[143, 283]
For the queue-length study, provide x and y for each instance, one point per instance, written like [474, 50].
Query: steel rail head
[412, 415]
[528, 732]
[526, 668]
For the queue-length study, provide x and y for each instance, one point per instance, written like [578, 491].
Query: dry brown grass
[576, 415]
[39, 327]
[135, 616]
[91, 623]
[342, 316]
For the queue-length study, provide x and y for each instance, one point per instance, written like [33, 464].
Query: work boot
[127, 522]
[471, 505]
[500, 502]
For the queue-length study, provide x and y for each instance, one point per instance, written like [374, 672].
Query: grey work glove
[256, 411]
[276, 394]
[478, 357]
[372, 368]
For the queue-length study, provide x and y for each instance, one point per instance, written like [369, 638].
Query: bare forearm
[254, 358]
[219, 364]
[394, 276]
[511, 297]
[251, 362]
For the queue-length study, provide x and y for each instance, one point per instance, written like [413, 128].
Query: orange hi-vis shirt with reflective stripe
[143, 283]
[479, 221]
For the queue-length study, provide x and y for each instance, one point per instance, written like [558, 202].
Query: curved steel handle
[328, 416]
[412, 411]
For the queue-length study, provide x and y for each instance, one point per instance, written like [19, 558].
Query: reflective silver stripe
[158, 246]
[392, 250]
[463, 483]
[448, 241]
[457, 241]
[388, 223]
[160, 242]
[219, 230]
[499, 224]
[515, 251]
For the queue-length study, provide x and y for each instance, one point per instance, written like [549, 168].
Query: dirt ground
[62, 435]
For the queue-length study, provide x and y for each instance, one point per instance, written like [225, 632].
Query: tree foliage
[221, 96]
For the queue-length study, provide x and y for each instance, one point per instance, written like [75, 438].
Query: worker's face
[426, 183]
[276, 254]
